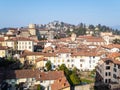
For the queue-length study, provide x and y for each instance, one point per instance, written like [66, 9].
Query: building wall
[86, 62]
[40, 64]
[67, 88]
[3, 53]
[82, 87]
[25, 45]
[10, 44]
[89, 63]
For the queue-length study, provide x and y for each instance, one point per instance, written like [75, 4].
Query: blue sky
[17, 13]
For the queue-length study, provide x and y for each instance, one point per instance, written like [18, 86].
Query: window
[107, 62]
[90, 66]
[40, 76]
[58, 65]
[72, 60]
[109, 80]
[54, 66]
[89, 61]
[81, 60]
[41, 81]
[29, 43]
[80, 65]
[33, 79]
[105, 80]
[25, 47]
[93, 56]
[118, 66]
[30, 47]
[67, 55]
[114, 76]
[114, 65]
[107, 67]
[68, 60]
[109, 73]
[105, 73]
[115, 70]
[72, 65]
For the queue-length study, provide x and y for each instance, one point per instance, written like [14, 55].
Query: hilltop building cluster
[37, 45]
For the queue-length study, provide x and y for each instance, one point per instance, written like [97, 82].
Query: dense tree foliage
[48, 66]
[74, 78]
[81, 29]
[71, 75]
[10, 63]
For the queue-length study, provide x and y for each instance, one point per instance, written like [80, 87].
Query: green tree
[65, 69]
[48, 65]
[74, 78]
[38, 87]
[71, 75]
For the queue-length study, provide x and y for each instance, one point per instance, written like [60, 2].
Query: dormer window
[40, 76]
[64, 84]
[59, 80]
[107, 62]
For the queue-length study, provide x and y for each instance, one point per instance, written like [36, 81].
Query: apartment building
[108, 70]
[20, 43]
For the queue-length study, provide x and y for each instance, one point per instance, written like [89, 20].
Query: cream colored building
[3, 51]
[20, 43]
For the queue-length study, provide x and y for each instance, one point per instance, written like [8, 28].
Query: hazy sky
[16, 13]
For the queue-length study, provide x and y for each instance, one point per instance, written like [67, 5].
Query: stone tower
[73, 37]
[32, 29]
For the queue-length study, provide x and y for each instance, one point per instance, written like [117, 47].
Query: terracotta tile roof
[92, 39]
[110, 46]
[3, 48]
[51, 75]
[38, 75]
[112, 57]
[95, 40]
[20, 39]
[85, 36]
[27, 53]
[112, 60]
[85, 53]
[50, 54]
[20, 74]
[1, 39]
[60, 84]
[64, 50]
[40, 59]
